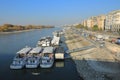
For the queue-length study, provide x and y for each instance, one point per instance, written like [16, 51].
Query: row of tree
[10, 27]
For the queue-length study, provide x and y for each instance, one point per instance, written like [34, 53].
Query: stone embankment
[95, 63]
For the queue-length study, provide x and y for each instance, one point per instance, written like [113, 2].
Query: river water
[11, 43]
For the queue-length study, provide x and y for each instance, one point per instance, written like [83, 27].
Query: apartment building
[84, 23]
[89, 23]
[96, 20]
[112, 22]
[101, 22]
[93, 21]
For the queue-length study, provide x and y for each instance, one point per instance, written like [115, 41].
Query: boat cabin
[23, 52]
[35, 51]
[48, 52]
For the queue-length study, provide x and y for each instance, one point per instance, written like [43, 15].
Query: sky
[53, 12]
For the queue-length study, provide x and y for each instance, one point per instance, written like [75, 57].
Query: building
[112, 22]
[85, 23]
[89, 23]
[93, 21]
[101, 22]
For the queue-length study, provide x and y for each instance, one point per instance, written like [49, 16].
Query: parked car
[118, 41]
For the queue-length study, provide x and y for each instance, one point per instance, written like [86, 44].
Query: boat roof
[59, 50]
[48, 50]
[47, 37]
[24, 50]
[36, 50]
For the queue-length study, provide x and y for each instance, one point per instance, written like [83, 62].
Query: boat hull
[31, 66]
[16, 66]
[46, 65]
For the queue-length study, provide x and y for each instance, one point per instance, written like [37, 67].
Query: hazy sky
[53, 12]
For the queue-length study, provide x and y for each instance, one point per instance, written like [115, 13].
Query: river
[11, 43]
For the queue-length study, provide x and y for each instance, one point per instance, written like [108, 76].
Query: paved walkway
[95, 63]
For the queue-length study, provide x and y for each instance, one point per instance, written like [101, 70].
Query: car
[118, 41]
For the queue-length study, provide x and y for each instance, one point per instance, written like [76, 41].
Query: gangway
[80, 49]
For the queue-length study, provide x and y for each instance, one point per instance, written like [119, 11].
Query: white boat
[56, 38]
[47, 57]
[33, 59]
[55, 41]
[19, 60]
[17, 64]
[45, 41]
[32, 62]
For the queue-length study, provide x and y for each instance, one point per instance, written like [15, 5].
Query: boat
[33, 59]
[44, 41]
[32, 62]
[59, 53]
[19, 60]
[47, 57]
[56, 38]
[17, 63]
[55, 41]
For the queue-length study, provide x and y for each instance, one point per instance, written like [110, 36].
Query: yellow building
[101, 22]
[84, 23]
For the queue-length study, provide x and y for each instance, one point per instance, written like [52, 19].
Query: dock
[92, 61]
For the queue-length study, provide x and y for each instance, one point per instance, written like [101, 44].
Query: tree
[10, 27]
[86, 27]
[95, 28]
[79, 26]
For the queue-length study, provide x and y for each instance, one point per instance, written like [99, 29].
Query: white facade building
[89, 23]
[112, 22]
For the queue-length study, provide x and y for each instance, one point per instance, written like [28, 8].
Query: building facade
[112, 22]
[93, 21]
[96, 20]
[101, 22]
[89, 23]
[85, 23]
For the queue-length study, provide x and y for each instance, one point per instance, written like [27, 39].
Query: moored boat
[47, 57]
[59, 53]
[45, 41]
[19, 60]
[33, 59]
[17, 64]
[32, 62]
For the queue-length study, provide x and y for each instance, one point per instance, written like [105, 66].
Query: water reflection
[59, 64]
[39, 71]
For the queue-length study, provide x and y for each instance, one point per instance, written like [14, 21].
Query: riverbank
[19, 31]
[16, 31]
[93, 64]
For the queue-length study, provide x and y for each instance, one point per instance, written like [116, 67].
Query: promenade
[95, 63]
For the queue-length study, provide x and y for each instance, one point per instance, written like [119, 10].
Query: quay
[93, 63]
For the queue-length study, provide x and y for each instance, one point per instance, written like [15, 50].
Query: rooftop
[36, 50]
